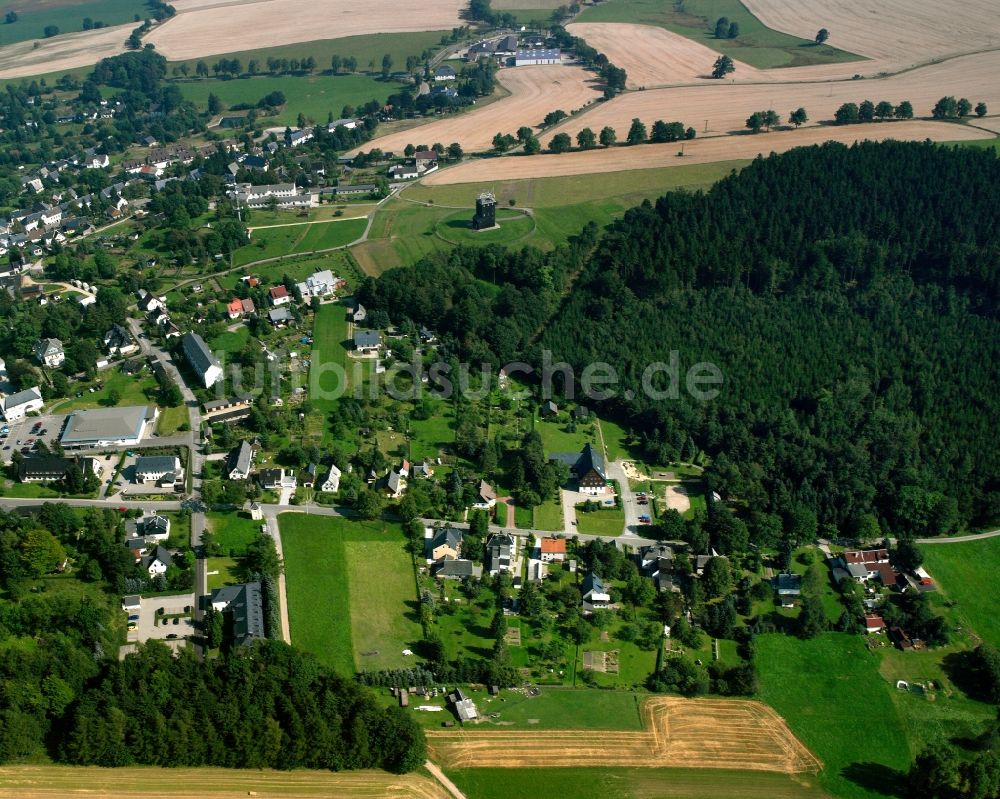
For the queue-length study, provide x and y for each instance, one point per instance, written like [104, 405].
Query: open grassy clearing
[571, 709]
[329, 371]
[172, 420]
[131, 391]
[221, 571]
[315, 96]
[272, 242]
[606, 521]
[514, 226]
[234, 532]
[548, 515]
[350, 591]
[830, 692]
[966, 574]
[757, 44]
[33, 18]
[639, 783]
[42, 782]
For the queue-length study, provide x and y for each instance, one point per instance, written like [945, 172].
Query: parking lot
[25, 434]
[146, 627]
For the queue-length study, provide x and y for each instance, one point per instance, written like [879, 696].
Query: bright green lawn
[757, 45]
[513, 227]
[966, 573]
[230, 341]
[351, 590]
[647, 783]
[328, 369]
[67, 17]
[607, 521]
[572, 709]
[315, 96]
[234, 532]
[556, 436]
[132, 391]
[549, 515]
[430, 436]
[304, 238]
[171, 420]
[226, 568]
[830, 692]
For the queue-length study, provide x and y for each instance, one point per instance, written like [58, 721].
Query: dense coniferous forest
[849, 296]
[65, 694]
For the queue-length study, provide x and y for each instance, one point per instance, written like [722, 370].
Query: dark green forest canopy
[849, 296]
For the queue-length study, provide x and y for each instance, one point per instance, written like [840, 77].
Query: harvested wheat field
[209, 27]
[72, 51]
[699, 151]
[655, 56]
[724, 107]
[894, 32]
[690, 733]
[534, 91]
[42, 782]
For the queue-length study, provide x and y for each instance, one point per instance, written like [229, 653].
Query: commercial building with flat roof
[106, 427]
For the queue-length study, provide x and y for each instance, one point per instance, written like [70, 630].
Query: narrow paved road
[959, 539]
[271, 517]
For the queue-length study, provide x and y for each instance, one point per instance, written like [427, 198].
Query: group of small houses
[872, 569]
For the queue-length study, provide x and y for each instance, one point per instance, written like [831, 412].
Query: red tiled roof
[874, 622]
[866, 556]
[278, 292]
[553, 546]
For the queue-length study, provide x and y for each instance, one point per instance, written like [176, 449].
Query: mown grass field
[548, 515]
[572, 709]
[830, 692]
[513, 227]
[66, 16]
[272, 242]
[651, 783]
[329, 367]
[757, 45]
[404, 232]
[314, 96]
[966, 574]
[607, 521]
[350, 591]
[131, 391]
[172, 420]
[234, 532]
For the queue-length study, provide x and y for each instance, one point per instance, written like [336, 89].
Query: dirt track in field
[211, 27]
[689, 733]
[698, 151]
[534, 91]
[56, 782]
[655, 56]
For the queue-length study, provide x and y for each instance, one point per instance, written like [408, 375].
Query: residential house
[294, 138]
[119, 341]
[552, 549]
[403, 172]
[499, 554]
[394, 484]
[445, 72]
[349, 124]
[15, 407]
[874, 623]
[319, 284]
[358, 313]
[309, 475]
[235, 309]
[164, 470]
[423, 470]
[595, 595]
[549, 409]
[239, 461]
[244, 605]
[789, 588]
[277, 479]
[465, 708]
[148, 303]
[332, 483]
[279, 296]
[157, 562]
[486, 497]
[425, 159]
[589, 471]
[201, 359]
[154, 527]
[367, 342]
[49, 352]
[280, 317]
[457, 569]
[446, 543]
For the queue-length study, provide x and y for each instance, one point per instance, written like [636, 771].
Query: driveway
[616, 471]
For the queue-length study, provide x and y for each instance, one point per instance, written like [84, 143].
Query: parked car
[134, 617]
